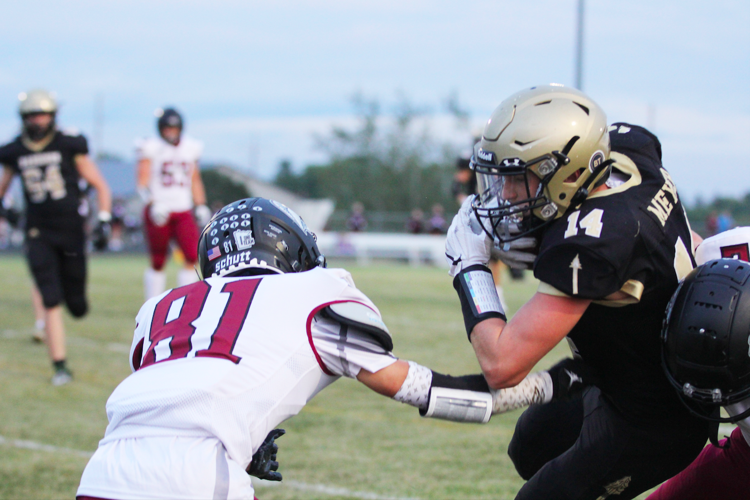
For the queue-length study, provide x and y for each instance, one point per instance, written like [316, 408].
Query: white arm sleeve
[345, 350]
[536, 388]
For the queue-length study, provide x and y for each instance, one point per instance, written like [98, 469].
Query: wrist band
[478, 296]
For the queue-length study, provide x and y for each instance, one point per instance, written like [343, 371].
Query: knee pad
[78, 306]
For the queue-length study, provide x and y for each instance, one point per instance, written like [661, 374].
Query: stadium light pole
[99, 124]
[579, 47]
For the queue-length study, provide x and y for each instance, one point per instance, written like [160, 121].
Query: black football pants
[582, 449]
[57, 259]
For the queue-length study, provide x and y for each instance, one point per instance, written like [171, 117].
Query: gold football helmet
[552, 132]
[35, 102]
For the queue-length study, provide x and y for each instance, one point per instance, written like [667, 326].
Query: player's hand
[517, 254]
[11, 215]
[202, 215]
[467, 243]
[264, 464]
[103, 230]
[570, 377]
[159, 214]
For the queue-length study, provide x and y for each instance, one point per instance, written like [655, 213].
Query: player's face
[519, 187]
[171, 134]
[42, 120]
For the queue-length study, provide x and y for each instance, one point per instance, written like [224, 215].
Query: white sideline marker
[297, 485]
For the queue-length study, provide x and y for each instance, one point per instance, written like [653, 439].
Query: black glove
[100, 235]
[264, 461]
[570, 377]
[11, 215]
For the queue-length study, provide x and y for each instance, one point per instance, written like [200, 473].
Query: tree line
[387, 163]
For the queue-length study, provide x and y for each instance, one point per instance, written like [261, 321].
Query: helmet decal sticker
[596, 159]
[214, 253]
[244, 239]
[486, 155]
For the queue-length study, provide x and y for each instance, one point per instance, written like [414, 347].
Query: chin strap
[583, 192]
[714, 418]
[713, 430]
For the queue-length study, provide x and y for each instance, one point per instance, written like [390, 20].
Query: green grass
[347, 437]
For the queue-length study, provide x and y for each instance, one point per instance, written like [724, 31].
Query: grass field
[347, 443]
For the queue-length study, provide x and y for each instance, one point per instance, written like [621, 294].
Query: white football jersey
[172, 170]
[232, 358]
[732, 244]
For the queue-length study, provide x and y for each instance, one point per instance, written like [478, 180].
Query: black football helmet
[706, 338]
[168, 117]
[257, 236]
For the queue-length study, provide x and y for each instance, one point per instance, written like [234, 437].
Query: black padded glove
[570, 377]
[11, 215]
[264, 462]
[100, 235]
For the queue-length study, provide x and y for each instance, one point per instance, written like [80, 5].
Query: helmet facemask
[34, 131]
[494, 212]
[537, 209]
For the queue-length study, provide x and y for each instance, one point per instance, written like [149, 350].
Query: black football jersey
[50, 179]
[633, 238]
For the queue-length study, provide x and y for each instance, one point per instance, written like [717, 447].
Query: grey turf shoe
[62, 377]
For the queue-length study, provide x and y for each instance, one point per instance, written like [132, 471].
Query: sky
[256, 81]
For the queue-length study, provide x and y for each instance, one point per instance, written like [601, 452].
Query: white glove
[159, 214]
[467, 243]
[202, 215]
[517, 254]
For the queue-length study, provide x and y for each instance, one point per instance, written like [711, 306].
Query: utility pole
[254, 157]
[579, 47]
[99, 124]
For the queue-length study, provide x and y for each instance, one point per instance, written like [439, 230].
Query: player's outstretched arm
[508, 352]
[202, 212]
[460, 399]
[198, 189]
[10, 215]
[469, 398]
[5, 181]
[91, 174]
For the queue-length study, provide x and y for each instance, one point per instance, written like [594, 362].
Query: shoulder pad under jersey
[71, 131]
[363, 318]
[631, 139]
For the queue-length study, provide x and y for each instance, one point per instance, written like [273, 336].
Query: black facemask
[36, 132]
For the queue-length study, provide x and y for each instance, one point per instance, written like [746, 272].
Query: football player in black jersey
[50, 163]
[613, 241]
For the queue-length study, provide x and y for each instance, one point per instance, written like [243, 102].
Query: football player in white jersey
[170, 185]
[720, 472]
[218, 364]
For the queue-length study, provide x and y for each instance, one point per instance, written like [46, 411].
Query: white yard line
[328, 490]
[297, 485]
[31, 445]
[73, 340]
